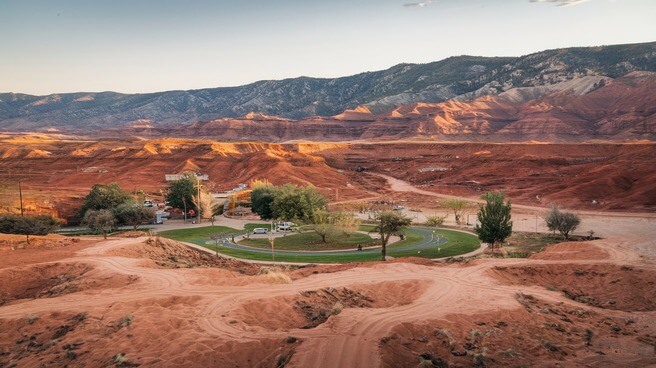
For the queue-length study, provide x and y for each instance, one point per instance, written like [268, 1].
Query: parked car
[285, 226]
[260, 230]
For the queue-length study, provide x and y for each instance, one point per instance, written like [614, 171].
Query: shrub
[435, 221]
[23, 225]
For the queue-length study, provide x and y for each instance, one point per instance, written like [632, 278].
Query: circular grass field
[418, 242]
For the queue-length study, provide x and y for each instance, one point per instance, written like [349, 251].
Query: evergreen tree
[494, 217]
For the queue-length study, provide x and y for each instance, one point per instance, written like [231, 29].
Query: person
[359, 247]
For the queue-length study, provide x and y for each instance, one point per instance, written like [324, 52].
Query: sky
[138, 46]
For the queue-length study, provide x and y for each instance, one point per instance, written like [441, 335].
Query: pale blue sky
[53, 46]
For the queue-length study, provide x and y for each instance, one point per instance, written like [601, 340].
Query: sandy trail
[399, 185]
[351, 338]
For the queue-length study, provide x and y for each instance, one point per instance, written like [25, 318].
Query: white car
[260, 230]
[285, 226]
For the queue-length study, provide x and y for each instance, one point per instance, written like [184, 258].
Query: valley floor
[149, 302]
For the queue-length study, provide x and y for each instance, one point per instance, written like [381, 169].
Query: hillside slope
[461, 78]
[585, 108]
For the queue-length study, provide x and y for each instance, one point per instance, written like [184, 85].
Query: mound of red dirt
[538, 335]
[167, 253]
[55, 279]
[605, 286]
[311, 308]
[130, 335]
[14, 251]
[571, 251]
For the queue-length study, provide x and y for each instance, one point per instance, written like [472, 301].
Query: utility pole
[184, 202]
[536, 223]
[272, 240]
[198, 200]
[20, 194]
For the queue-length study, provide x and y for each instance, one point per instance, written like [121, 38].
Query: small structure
[176, 177]
[161, 216]
[240, 212]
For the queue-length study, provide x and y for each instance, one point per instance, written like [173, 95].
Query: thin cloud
[420, 4]
[560, 2]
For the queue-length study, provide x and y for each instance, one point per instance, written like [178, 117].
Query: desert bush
[31, 319]
[435, 221]
[336, 309]
[275, 275]
[126, 321]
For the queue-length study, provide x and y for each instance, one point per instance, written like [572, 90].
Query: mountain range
[591, 91]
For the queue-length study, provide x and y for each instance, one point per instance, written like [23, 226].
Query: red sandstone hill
[597, 108]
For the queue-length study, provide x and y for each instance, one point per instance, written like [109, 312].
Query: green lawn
[198, 235]
[458, 243]
[367, 227]
[252, 226]
[301, 258]
[312, 241]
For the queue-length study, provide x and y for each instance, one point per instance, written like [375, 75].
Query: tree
[105, 197]
[552, 217]
[262, 197]
[494, 217]
[564, 222]
[36, 225]
[332, 224]
[322, 224]
[389, 223]
[128, 214]
[99, 220]
[345, 222]
[457, 206]
[217, 209]
[204, 204]
[569, 222]
[292, 203]
[180, 193]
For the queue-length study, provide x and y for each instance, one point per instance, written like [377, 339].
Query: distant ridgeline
[461, 78]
